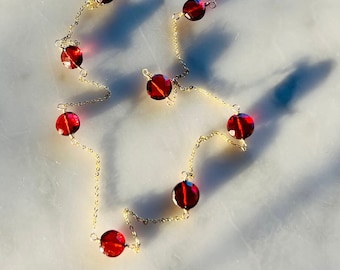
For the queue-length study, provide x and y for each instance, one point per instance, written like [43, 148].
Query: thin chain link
[242, 146]
[212, 4]
[84, 147]
[65, 41]
[148, 75]
[107, 95]
[128, 214]
[175, 18]
[235, 108]
[186, 71]
[172, 100]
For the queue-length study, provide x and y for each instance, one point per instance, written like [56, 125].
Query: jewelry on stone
[159, 86]
[185, 194]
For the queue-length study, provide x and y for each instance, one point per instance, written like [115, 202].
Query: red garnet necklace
[185, 194]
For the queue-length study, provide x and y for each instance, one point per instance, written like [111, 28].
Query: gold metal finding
[186, 71]
[84, 147]
[131, 214]
[241, 145]
[66, 42]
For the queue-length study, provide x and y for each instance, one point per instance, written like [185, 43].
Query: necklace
[185, 194]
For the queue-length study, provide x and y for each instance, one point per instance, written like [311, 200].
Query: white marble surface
[274, 207]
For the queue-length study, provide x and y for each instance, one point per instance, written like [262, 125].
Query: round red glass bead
[185, 195]
[240, 126]
[72, 57]
[159, 87]
[67, 123]
[106, 1]
[112, 243]
[194, 10]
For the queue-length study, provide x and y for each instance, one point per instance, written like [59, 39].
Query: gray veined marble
[275, 207]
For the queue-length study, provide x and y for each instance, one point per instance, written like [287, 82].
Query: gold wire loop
[92, 4]
[147, 74]
[187, 175]
[236, 108]
[94, 237]
[185, 214]
[82, 74]
[212, 4]
[63, 43]
[176, 16]
[62, 107]
[243, 146]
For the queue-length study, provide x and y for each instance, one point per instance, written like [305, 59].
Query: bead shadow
[267, 219]
[214, 171]
[153, 205]
[123, 87]
[267, 113]
[118, 29]
[217, 170]
[201, 54]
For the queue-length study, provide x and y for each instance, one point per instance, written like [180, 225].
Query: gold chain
[84, 147]
[129, 213]
[242, 146]
[65, 42]
[186, 71]
[175, 18]
[107, 95]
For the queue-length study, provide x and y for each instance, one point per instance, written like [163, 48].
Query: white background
[274, 207]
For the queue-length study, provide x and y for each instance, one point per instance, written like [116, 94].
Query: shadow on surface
[304, 79]
[127, 17]
[201, 54]
[267, 113]
[299, 82]
[124, 87]
[267, 219]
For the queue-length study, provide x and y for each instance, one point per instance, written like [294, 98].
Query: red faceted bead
[106, 1]
[240, 126]
[67, 123]
[194, 10]
[112, 243]
[159, 87]
[72, 57]
[185, 195]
